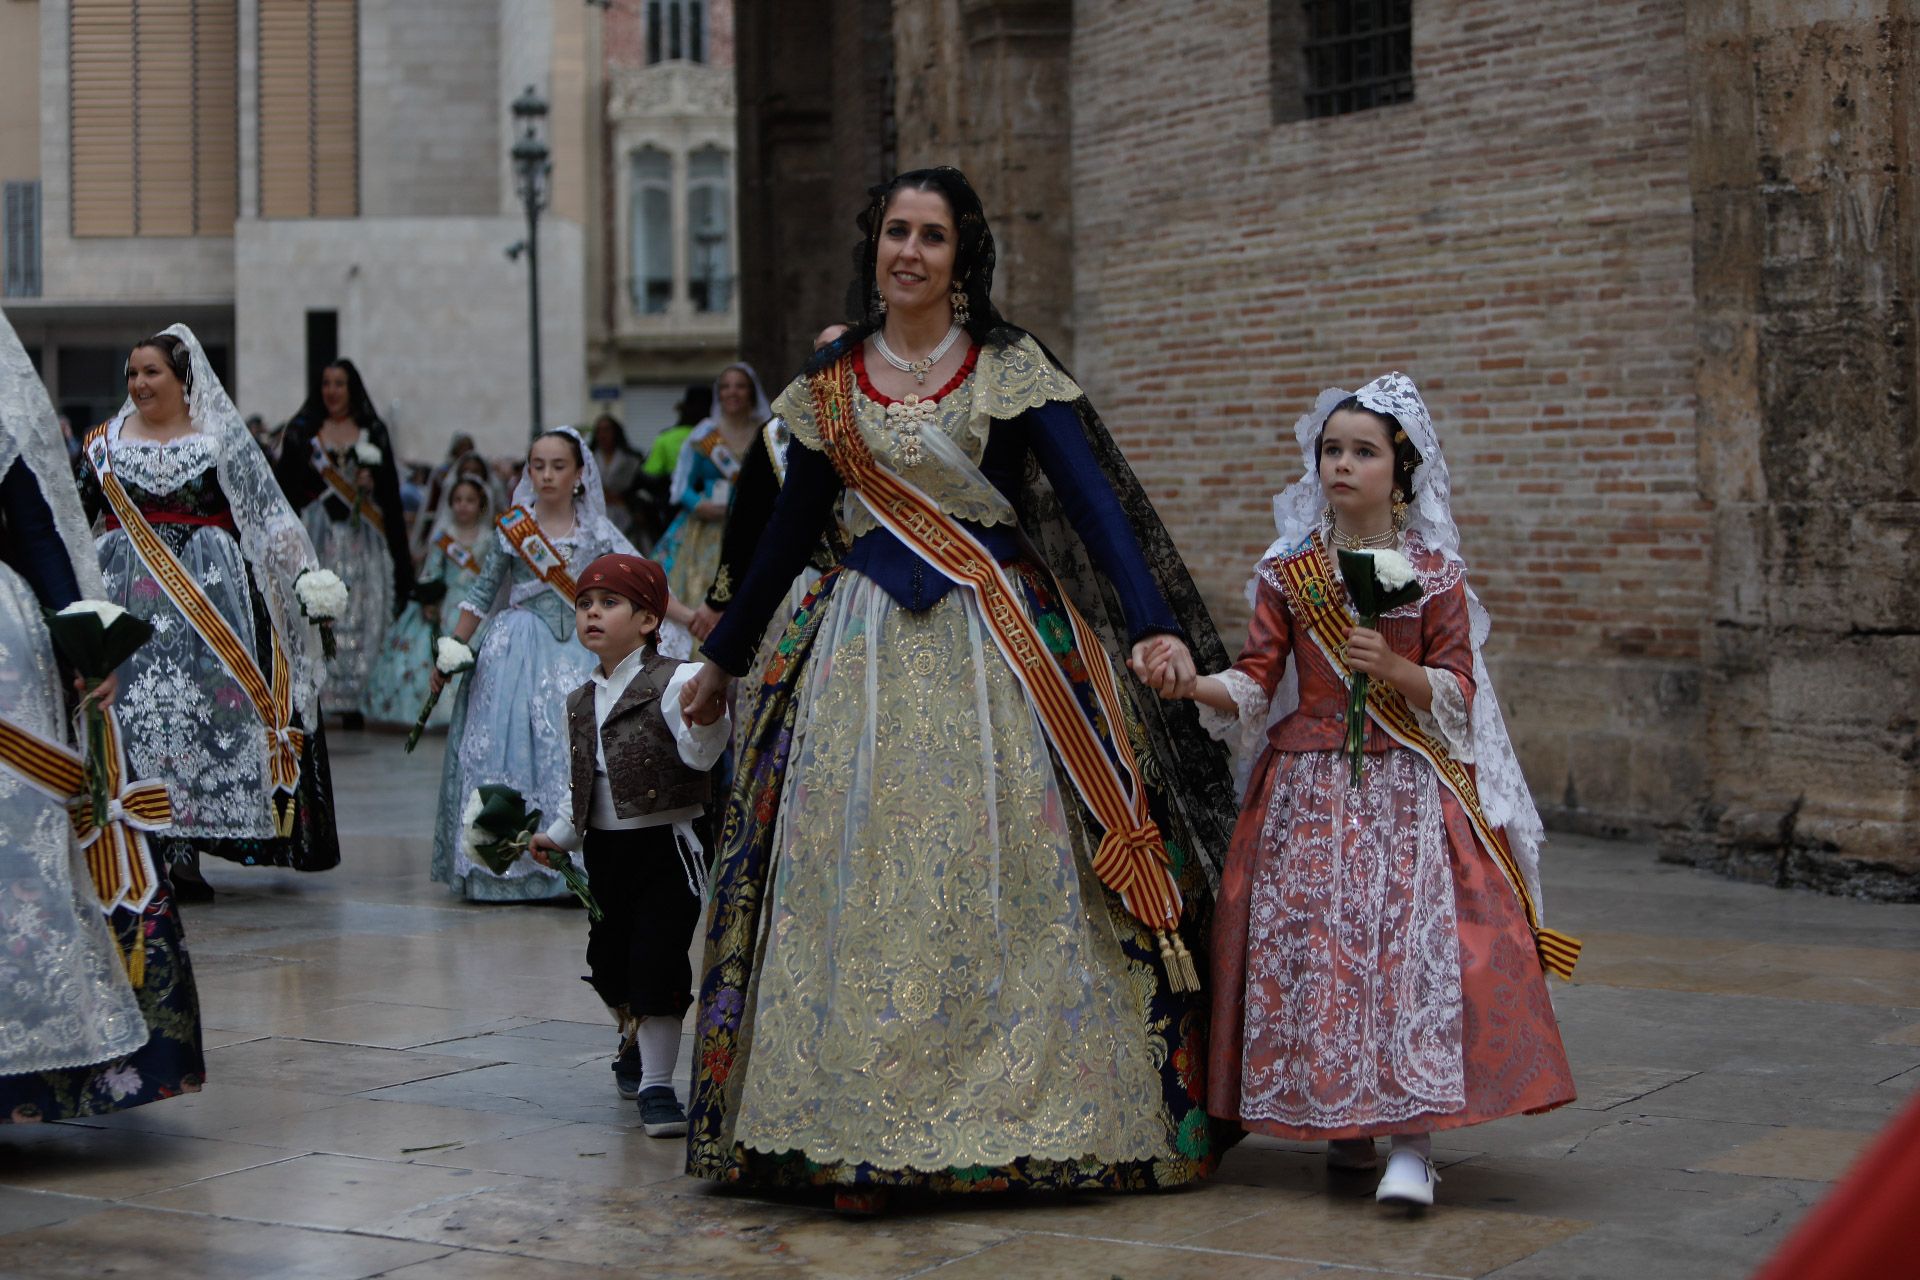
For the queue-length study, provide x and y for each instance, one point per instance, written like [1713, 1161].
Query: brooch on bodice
[905, 418]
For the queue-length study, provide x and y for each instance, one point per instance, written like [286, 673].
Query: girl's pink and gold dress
[1372, 971]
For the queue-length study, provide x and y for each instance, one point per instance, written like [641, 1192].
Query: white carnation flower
[468, 816]
[450, 656]
[367, 454]
[1392, 569]
[322, 594]
[105, 610]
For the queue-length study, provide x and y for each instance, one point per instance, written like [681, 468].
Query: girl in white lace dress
[1377, 958]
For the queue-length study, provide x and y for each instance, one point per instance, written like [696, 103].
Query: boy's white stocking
[659, 1050]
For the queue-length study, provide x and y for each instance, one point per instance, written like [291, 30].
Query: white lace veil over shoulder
[272, 538]
[30, 433]
[443, 519]
[1297, 512]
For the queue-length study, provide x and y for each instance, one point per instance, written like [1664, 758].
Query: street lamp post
[531, 167]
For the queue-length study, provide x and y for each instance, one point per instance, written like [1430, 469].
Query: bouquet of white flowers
[496, 827]
[450, 658]
[1377, 582]
[95, 637]
[367, 454]
[323, 598]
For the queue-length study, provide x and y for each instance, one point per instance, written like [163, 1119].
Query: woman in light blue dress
[510, 715]
[456, 545]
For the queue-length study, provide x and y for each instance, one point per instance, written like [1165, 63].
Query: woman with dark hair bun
[966, 864]
[338, 469]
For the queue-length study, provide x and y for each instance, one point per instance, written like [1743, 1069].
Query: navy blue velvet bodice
[1051, 433]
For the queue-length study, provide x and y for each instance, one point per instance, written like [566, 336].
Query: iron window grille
[1358, 53]
[22, 234]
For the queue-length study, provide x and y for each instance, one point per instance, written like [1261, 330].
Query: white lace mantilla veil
[443, 518]
[1298, 511]
[272, 538]
[589, 506]
[762, 410]
[30, 433]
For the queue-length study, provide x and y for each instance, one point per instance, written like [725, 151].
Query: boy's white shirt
[699, 746]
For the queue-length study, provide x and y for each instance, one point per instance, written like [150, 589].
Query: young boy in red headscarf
[639, 781]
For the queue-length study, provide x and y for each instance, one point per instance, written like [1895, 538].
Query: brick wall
[623, 38]
[1518, 240]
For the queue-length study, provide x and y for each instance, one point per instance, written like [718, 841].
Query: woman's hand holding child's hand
[1164, 665]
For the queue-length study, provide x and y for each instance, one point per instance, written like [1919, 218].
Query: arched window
[676, 31]
[709, 230]
[651, 283]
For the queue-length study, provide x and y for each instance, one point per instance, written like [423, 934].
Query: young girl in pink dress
[1377, 954]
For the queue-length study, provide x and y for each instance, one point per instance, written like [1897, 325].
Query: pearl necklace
[1374, 542]
[918, 368]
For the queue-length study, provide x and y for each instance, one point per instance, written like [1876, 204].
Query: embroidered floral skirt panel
[690, 553]
[1372, 971]
[364, 562]
[509, 727]
[398, 681]
[923, 982]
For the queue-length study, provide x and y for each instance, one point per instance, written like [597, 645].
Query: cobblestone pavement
[404, 1085]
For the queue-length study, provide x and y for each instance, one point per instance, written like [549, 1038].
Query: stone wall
[815, 130]
[429, 109]
[432, 312]
[1518, 240]
[1807, 246]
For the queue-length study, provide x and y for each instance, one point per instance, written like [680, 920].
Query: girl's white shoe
[1409, 1179]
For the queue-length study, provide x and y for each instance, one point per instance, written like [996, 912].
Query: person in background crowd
[458, 450]
[619, 469]
[338, 468]
[397, 685]
[703, 481]
[655, 480]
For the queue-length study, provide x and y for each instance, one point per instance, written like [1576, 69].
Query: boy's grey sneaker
[660, 1113]
[626, 1071]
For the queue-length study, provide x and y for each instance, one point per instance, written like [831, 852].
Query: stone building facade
[348, 190]
[663, 294]
[1652, 265]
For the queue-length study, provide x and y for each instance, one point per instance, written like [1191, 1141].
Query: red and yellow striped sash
[522, 533]
[346, 490]
[1316, 601]
[117, 858]
[458, 552]
[1132, 857]
[272, 701]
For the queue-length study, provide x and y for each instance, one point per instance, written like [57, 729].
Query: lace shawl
[30, 433]
[272, 538]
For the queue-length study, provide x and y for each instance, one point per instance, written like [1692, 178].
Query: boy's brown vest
[644, 769]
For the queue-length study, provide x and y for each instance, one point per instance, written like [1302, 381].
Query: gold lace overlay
[695, 558]
[942, 983]
[923, 443]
